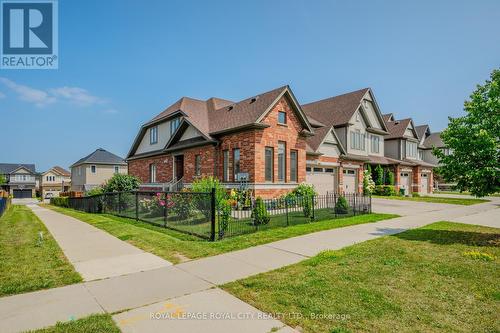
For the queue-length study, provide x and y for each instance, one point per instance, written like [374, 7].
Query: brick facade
[252, 144]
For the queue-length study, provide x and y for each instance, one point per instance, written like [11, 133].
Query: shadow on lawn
[446, 237]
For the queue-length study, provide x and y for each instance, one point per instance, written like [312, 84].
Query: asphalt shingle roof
[100, 156]
[397, 128]
[6, 168]
[434, 140]
[421, 130]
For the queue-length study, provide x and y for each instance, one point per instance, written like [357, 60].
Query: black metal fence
[197, 213]
[4, 204]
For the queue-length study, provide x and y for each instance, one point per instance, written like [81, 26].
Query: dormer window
[282, 118]
[153, 135]
[174, 124]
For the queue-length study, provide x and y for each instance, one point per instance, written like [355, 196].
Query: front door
[425, 183]
[179, 166]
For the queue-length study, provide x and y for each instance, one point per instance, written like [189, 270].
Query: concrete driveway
[406, 207]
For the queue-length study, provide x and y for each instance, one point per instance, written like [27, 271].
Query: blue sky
[122, 62]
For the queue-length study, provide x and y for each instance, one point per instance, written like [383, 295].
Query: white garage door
[349, 181]
[425, 183]
[323, 179]
[404, 180]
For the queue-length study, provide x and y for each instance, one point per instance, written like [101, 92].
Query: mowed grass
[26, 262]
[439, 278]
[177, 247]
[444, 200]
[102, 323]
[463, 193]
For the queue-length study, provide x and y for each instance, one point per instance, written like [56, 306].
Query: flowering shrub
[155, 205]
[181, 204]
[368, 183]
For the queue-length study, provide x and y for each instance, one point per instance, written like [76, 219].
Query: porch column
[397, 177]
[417, 179]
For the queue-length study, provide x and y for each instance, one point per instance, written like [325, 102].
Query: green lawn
[26, 262]
[463, 193]
[442, 277]
[453, 201]
[94, 323]
[176, 247]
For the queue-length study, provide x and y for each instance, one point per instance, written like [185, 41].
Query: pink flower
[162, 203]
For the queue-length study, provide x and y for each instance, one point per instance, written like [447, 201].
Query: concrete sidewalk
[95, 254]
[189, 288]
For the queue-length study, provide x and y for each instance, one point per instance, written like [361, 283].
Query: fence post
[370, 208]
[212, 207]
[312, 203]
[335, 204]
[119, 201]
[354, 203]
[136, 205]
[286, 209]
[165, 210]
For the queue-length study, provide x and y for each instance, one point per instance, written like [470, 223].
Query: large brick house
[269, 141]
[260, 140]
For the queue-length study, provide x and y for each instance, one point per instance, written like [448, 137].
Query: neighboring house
[21, 179]
[95, 169]
[54, 181]
[349, 133]
[259, 142]
[413, 174]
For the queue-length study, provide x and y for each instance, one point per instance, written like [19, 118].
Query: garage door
[22, 193]
[323, 179]
[404, 180]
[425, 183]
[349, 181]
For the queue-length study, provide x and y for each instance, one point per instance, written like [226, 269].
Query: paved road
[191, 288]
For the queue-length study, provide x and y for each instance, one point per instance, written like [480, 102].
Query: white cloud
[28, 94]
[111, 111]
[40, 98]
[78, 96]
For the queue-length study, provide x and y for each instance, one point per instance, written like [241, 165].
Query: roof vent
[229, 108]
[254, 99]
[396, 122]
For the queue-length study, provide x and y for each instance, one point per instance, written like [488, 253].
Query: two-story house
[413, 174]
[349, 133]
[54, 181]
[95, 169]
[260, 141]
[21, 179]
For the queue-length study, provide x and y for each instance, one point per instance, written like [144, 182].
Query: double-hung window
[197, 165]
[174, 123]
[225, 166]
[236, 162]
[293, 165]
[117, 169]
[375, 144]
[281, 161]
[152, 173]
[357, 140]
[93, 169]
[411, 149]
[269, 164]
[282, 118]
[153, 135]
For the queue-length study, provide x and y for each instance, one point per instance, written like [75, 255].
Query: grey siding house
[95, 169]
[21, 179]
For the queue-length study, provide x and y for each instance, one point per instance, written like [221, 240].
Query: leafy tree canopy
[474, 161]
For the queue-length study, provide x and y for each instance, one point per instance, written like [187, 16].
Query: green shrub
[385, 190]
[182, 205]
[415, 195]
[260, 214]
[205, 185]
[368, 183]
[379, 175]
[94, 191]
[60, 201]
[120, 182]
[390, 177]
[341, 207]
[225, 216]
[302, 196]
